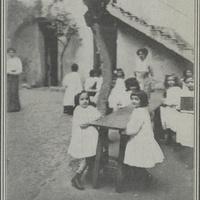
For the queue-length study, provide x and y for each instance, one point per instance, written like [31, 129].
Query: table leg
[106, 145]
[97, 159]
[120, 175]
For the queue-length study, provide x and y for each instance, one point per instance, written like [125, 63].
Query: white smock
[142, 150]
[89, 83]
[143, 74]
[84, 141]
[185, 124]
[14, 65]
[169, 114]
[117, 95]
[73, 86]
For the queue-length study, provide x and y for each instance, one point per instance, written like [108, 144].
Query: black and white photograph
[99, 99]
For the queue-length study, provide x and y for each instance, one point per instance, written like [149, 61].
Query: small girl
[168, 111]
[186, 73]
[142, 150]
[84, 137]
[132, 85]
[91, 82]
[115, 99]
[98, 83]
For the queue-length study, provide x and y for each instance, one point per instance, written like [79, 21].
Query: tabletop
[119, 119]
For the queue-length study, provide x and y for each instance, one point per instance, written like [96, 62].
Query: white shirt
[14, 66]
[99, 83]
[72, 84]
[89, 83]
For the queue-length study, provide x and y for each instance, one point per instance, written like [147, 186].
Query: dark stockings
[76, 180]
[170, 134]
[144, 175]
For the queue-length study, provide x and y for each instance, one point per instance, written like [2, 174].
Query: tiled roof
[168, 37]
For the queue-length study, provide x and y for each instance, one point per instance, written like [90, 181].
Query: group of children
[177, 114]
[120, 94]
[72, 84]
[142, 151]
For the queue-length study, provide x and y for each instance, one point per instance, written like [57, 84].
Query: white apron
[73, 86]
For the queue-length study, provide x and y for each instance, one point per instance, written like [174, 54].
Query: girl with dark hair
[168, 111]
[185, 131]
[142, 150]
[84, 137]
[132, 85]
[186, 73]
[91, 83]
[185, 134]
[99, 80]
[115, 99]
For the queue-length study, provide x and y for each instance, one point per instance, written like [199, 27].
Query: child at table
[142, 150]
[132, 85]
[186, 73]
[84, 137]
[185, 125]
[168, 112]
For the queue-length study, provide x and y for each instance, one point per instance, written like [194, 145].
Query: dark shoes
[77, 183]
[149, 179]
[68, 110]
[178, 147]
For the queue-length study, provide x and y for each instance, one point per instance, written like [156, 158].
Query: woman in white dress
[84, 137]
[14, 68]
[144, 71]
[142, 150]
[72, 84]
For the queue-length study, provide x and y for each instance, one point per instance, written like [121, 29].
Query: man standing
[14, 68]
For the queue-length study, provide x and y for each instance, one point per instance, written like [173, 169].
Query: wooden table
[117, 120]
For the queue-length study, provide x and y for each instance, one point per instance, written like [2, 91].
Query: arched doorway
[37, 47]
[51, 53]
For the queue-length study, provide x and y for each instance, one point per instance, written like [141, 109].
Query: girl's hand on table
[83, 126]
[123, 132]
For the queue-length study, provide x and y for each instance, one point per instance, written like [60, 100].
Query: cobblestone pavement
[39, 168]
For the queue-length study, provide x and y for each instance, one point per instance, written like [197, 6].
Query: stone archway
[37, 47]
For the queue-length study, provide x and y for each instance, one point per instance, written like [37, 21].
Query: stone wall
[24, 34]
[29, 43]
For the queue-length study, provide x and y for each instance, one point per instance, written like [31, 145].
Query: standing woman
[144, 72]
[73, 86]
[14, 68]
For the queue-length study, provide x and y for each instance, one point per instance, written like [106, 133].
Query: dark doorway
[51, 54]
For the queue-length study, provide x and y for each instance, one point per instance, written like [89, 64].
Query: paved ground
[39, 167]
